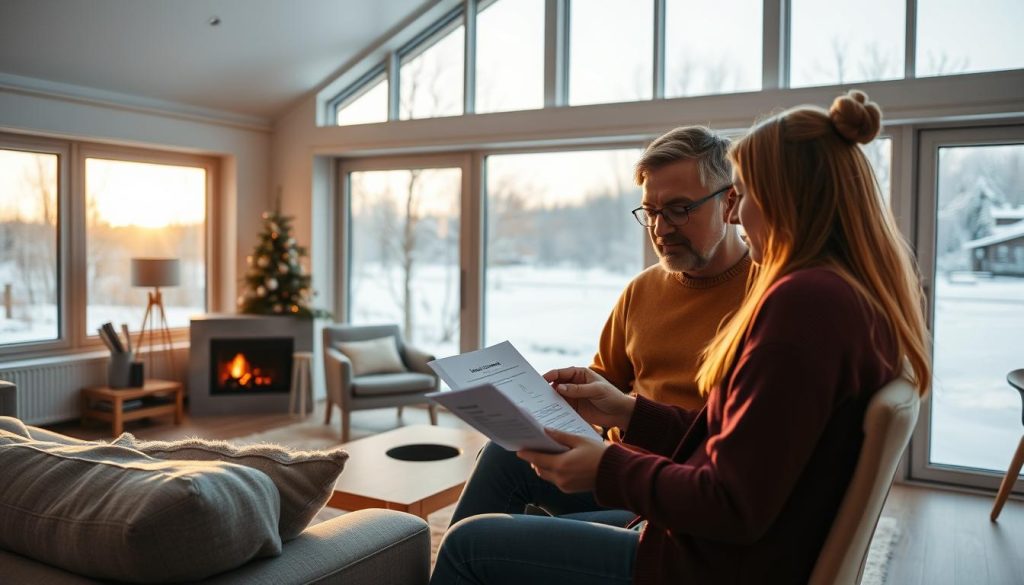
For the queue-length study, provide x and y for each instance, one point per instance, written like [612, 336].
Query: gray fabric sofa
[372, 547]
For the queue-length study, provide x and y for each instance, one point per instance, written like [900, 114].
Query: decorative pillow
[305, 479]
[373, 356]
[13, 425]
[109, 512]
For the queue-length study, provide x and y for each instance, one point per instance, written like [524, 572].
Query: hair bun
[855, 117]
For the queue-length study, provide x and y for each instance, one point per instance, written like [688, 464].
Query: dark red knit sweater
[745, 490]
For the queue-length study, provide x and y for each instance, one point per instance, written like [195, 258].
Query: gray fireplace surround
[204, 328]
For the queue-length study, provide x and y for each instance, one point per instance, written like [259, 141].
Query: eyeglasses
[675, 215]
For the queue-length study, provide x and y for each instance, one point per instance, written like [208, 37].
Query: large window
[29, 270]
[843, 42]
[368, 104]
[404, 253]
[972, 229]
[962, 37]
[121, 203]
[712, 46]
[150, 211]
[431, 78]
[510, 79]
[611, 51]
[561, 245]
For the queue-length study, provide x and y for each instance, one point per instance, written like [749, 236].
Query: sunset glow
[144, 194]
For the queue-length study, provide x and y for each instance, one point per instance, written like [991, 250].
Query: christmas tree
[276, 283]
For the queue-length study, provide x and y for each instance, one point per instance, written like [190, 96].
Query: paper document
[500, 394]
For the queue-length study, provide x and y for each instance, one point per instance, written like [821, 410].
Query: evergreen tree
[276, 283]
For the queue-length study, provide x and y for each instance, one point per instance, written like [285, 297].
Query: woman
[745, 490]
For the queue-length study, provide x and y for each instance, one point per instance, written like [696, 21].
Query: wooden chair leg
[1011, 477]
[345, 420]
[433, 414]
[328, 409]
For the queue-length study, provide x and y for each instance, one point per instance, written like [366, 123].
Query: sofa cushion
[384, 384]
[14, 425]
[110, 512]
[305, 479]
[373, 356]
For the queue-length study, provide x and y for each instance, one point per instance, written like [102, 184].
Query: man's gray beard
[687, 262]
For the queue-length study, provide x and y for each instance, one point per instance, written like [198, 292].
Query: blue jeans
[499, 549]
[503, 483]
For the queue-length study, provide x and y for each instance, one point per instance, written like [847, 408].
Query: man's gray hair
[688, 142]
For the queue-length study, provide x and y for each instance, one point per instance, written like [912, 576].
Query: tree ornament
[290, 242]
[263, 262]
[295, 309]
[278, 308]
[282, 268]
[271, 283]
[248, 260]
[261, 291]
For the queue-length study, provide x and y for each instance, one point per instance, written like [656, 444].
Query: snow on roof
[1008, 212]
[1001, 234]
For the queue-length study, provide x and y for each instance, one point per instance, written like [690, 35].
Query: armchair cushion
[390, 384]
[109, 512]
[304, 479]
[373, 356]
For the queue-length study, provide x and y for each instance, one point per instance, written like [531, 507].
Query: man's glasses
[675, 215]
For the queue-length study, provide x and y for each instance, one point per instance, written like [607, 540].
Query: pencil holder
[119, 370]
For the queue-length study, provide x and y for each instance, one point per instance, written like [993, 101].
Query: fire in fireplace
[251, 365]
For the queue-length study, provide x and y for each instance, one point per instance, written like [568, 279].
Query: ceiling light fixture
[213, 21]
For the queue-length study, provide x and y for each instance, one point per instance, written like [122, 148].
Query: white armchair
[350, 392]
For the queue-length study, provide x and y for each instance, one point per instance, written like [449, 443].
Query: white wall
[243, 148]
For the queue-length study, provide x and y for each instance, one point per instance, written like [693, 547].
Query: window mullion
[556, 53]
[910, 45]
[392, 69]
[775, 44]
[659, 50]
[469, 14]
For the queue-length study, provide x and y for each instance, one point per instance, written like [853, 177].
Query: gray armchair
[350, 392]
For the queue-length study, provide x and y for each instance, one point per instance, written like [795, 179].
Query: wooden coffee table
[116, 397]
[372, 479]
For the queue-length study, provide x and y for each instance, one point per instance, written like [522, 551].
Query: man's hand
[594, 398]
[572, 471]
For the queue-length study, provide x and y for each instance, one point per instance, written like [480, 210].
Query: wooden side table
[116, 397]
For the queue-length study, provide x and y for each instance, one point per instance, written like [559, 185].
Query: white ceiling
[263, 55]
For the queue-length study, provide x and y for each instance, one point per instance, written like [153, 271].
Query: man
[652, 341]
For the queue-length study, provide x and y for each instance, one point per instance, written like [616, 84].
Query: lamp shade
[155, 271]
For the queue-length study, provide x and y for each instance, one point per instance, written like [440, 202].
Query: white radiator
[48, 390]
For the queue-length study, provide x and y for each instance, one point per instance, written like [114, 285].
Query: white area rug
[313, 434]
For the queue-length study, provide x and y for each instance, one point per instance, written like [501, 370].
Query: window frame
[65, 318]
[71, 229]
[930, 140]
[357, 90]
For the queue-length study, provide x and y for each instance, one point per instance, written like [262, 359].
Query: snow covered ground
[554, 316]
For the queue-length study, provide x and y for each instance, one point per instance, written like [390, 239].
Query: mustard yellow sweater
[652, 341]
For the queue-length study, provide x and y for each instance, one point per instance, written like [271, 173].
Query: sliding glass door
[971, 249]
[560, 247]
[402, 223]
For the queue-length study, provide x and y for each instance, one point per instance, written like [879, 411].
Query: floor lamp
[155, 272]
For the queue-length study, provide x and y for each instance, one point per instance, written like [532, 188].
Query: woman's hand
[594, 398]
[572, 471]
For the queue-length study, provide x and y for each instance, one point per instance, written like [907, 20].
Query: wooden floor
[946, 537]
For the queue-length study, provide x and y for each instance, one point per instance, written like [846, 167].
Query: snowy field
[976, 415]
[554, 316]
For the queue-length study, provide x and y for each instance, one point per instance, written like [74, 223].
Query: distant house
[1002, 252]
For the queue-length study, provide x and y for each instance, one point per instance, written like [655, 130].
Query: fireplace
[259, 365]
[225, 352]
